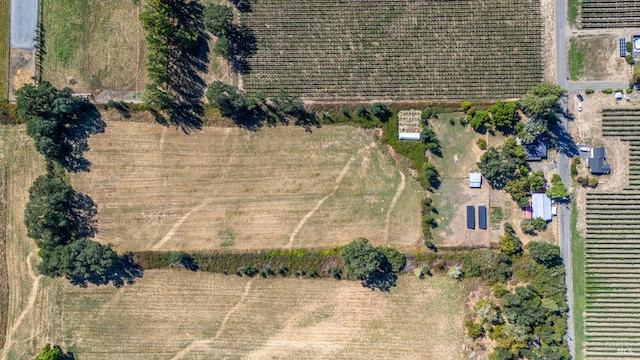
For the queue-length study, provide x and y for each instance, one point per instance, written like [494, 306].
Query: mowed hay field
[159, 188]
[390, 49]
[185, 315]
[93, 45]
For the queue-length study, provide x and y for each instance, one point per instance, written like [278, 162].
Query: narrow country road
[566, 150]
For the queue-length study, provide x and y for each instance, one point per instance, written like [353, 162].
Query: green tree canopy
[47, 215]
[81, 259]
[541, 99]
[503, 114]
[217, 19]
[558, 190]
[381, 111]
[545, 253]
[49, 352]
[361, 260]
[479, 119]
[227, 99]
[49, 113]
[499, 165]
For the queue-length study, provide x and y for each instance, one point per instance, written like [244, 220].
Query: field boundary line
[342, 174]
[221, 328]
[396, 196]
[178, 224]
[33, 295]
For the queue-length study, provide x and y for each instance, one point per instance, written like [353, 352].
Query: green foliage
[517, 188]
[482, 143]
[536, 181]
[629, 59]
[502, 354]
[465, 106]
[541, 99]
[510, 244]
[499, 289]
[227, 99]
[413, 150]
[431, 175]
[474, 330]
[50, 114]
[428, 137]
[49, 352]
[539, 224]
[574, 166]
[222, 47]
[394, 257]
[488, 264]
[456, 273]
[362, 112]
[589, 91]
[502, 164]
[503, 114]
[361, 260]
[217, 19]
[479, 119]
[558, 190]
[47, 215]
[532, 129]
[545, 253]
[523, 307]
[527, 227]
[381, 111]
[82, 259]
[430, 245]
[609, 90]
[629, 46]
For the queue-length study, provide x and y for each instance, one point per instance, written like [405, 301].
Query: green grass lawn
[577, 255]
[577, 56]
[574, 7]
[4, 48]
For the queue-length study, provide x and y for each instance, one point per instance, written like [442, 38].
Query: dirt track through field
[393, 203]
[181, 221]
[342, 174]
[30, 303]
[222, 327]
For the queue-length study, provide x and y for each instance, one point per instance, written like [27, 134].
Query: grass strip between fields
[576, 60]
[572, 15]
[577, 256]
[4, 48]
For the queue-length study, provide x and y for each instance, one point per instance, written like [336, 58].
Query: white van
[584, 148]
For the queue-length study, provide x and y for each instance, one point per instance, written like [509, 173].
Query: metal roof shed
[475, 180]
[541, 206]
[471, 217]
[482, 217]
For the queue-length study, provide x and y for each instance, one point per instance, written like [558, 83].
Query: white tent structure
[415, 136]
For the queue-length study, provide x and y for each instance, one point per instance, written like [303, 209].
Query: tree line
[59, 219]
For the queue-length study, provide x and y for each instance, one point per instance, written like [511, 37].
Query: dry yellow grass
[158, 188]
[179, 314]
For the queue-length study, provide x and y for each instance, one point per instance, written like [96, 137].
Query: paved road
[566, 151]
[24, 22]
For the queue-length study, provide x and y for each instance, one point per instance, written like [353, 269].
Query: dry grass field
[97, 44]
[183, 315]
[159, 188]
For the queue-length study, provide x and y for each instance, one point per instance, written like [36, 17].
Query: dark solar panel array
[623, 47]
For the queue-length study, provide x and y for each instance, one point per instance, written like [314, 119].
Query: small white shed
[415, 136]
[475, 180]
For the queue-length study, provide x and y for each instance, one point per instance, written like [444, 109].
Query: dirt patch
[601, 59]
[547, 14]
[22, 66]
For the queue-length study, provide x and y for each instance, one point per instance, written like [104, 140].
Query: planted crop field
[610, 13]
[424, 50]
[160, 189]
[612, 264]
[624, 123]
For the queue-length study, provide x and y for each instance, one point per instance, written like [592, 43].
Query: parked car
[579, 106]
[584, 148]
[580, 97]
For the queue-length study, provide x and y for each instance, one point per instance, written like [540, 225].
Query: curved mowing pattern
[612, 265]
[391, 49]
[610, 13]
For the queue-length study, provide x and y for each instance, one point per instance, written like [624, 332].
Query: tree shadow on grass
[88, 122]
[186, 65]
[383, 282]
[83, 214]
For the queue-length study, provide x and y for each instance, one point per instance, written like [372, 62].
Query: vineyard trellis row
[612, 253]
[330, 50]
[610, 13]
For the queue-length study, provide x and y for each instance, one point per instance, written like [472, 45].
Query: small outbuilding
[536, 151]
[409, 124]
[482, 217]
[596, 161]
[475, 180]
[541, 206]
[471, 217]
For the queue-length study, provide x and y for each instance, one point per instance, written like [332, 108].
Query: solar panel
[623, 47]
